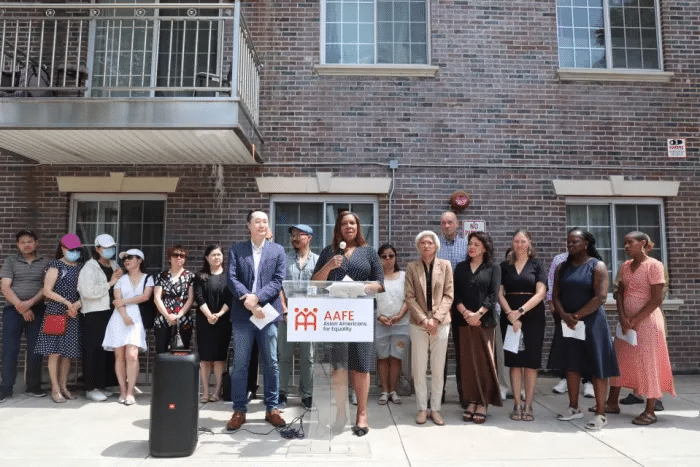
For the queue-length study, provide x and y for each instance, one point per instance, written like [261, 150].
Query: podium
[332, 315]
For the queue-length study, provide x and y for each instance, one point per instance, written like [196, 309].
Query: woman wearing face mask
[95, 285]
[61, 293]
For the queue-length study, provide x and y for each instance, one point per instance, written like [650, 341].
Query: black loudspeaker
[174, 405]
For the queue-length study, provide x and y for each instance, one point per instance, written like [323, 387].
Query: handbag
[147, 309]
[54, 325]
[177, 343]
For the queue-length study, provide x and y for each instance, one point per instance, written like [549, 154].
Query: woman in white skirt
[125, 334]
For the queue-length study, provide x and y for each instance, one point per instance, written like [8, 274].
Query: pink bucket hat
[71, 241]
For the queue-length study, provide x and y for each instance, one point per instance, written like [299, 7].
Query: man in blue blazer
[256, 269]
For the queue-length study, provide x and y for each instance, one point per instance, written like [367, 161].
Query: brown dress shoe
[421, 417]
[437, 418]
[274, 418]
[237, 419]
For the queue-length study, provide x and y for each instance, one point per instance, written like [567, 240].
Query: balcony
[137, 83]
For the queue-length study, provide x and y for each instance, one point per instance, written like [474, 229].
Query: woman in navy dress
[521, 295]
[360, 262]
[580, 290]
[61, 292]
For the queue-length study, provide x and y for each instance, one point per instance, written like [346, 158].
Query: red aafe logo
[305, 318]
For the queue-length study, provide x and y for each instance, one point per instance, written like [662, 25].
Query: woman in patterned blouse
[174, 297]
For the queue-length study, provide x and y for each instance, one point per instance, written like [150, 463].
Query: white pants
[423, 343]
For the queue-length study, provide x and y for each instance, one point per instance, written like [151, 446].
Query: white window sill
[595, 74]
[426, 71]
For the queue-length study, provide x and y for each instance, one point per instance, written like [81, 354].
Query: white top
[93, 287]
[389, 302]
[257, 254]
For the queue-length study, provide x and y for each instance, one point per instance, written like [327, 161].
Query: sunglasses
[130, 257]
[71, 249]
[297, 235]
[388, 256]
[178, 255]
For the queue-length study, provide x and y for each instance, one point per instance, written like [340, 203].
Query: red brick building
[548, 114]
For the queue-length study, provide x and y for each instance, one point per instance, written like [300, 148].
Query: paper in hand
[579, 331]
[630, 336]
[512, 340]
[270, 315]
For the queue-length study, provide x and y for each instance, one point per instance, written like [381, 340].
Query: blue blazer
[241, 273]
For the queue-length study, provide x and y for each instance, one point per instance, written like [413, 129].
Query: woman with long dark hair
[360, 262]
[477, 281]
[213, 299]
[580, 290]
[521, 295]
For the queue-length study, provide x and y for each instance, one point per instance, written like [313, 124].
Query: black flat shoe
[631, 399]
[360, 430]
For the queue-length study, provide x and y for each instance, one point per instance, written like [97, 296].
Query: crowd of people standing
[94, 310]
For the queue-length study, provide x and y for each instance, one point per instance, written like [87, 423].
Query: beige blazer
[443, 291]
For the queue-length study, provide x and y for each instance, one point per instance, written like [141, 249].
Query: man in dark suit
[256, 269]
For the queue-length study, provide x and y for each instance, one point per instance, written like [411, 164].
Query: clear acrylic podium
[331, 315]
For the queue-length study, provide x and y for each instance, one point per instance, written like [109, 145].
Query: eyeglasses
[178, 255]
[297, 235]
[388, 256]
[130, 257]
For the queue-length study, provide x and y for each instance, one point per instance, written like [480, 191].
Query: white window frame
[611, 201]
[78, 197]
[375, 69]
[617, 74]
[328, 199]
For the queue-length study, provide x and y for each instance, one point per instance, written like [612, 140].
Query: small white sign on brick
[473, 226]
[676, 148]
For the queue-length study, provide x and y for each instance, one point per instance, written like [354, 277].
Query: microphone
[342, 246]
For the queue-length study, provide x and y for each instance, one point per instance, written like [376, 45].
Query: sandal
[383, 398]
[608, 409]
[204, 399]
[596, 423]
[480, 417]
[645, 419]
[517, 413]
[58, 397]
[395, 398]
[528, 414]
[570, 414]
[214, 398]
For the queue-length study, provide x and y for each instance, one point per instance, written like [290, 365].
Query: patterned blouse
[175, 294]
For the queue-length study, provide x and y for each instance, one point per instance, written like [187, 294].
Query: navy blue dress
[595, 355]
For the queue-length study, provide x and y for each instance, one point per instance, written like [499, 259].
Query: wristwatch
[521, 311]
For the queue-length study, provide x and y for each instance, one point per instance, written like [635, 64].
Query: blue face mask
[108, 253]
[72, 255]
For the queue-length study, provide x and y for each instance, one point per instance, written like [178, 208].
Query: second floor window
[609, 34]
[366, 32]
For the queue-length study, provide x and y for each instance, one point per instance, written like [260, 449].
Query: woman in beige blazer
[430, 324]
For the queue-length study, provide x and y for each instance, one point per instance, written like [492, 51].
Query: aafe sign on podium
[313, 319]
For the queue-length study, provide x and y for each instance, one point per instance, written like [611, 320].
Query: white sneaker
[106, 392]
[96, 395]
[588, 390]
[560, 387]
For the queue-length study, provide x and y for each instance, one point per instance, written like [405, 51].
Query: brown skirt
[478, 365]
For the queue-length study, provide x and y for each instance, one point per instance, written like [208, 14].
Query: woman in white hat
[125, 333]
[95, 283]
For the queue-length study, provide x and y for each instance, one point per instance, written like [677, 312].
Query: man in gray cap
[300, 266]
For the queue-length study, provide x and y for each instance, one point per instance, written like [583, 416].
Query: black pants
[98, 364]
[164, 336]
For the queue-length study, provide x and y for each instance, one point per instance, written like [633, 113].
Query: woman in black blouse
[521, 295]
[173, 296]
[360, 262]
[477, 281]
[213, 299]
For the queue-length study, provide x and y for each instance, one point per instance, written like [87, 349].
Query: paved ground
[38, 432]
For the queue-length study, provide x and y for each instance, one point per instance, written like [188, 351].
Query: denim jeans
[243, 335]
[13, 324]
[285, 355]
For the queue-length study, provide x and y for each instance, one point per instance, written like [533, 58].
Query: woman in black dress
[173, 296]
[360, 262]
[521, 295]
[213, 299]
[477, 281]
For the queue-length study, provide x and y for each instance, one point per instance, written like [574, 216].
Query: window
[609, 34]
[320, 215]
[374, 32]
[134, 222]
[610, 221]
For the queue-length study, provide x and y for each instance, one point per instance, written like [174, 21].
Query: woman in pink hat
[60, 340]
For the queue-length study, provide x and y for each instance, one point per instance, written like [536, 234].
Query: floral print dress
[175, 294]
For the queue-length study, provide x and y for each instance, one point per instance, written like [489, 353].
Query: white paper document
[578, 332]
[630, 336]
[512, 340]
[270, 315]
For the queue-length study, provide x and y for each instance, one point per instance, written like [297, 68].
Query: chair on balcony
[213, 80]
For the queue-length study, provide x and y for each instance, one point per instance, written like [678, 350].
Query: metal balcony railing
[136, 50]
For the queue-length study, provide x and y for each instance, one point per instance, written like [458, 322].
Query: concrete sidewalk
[38, 432]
